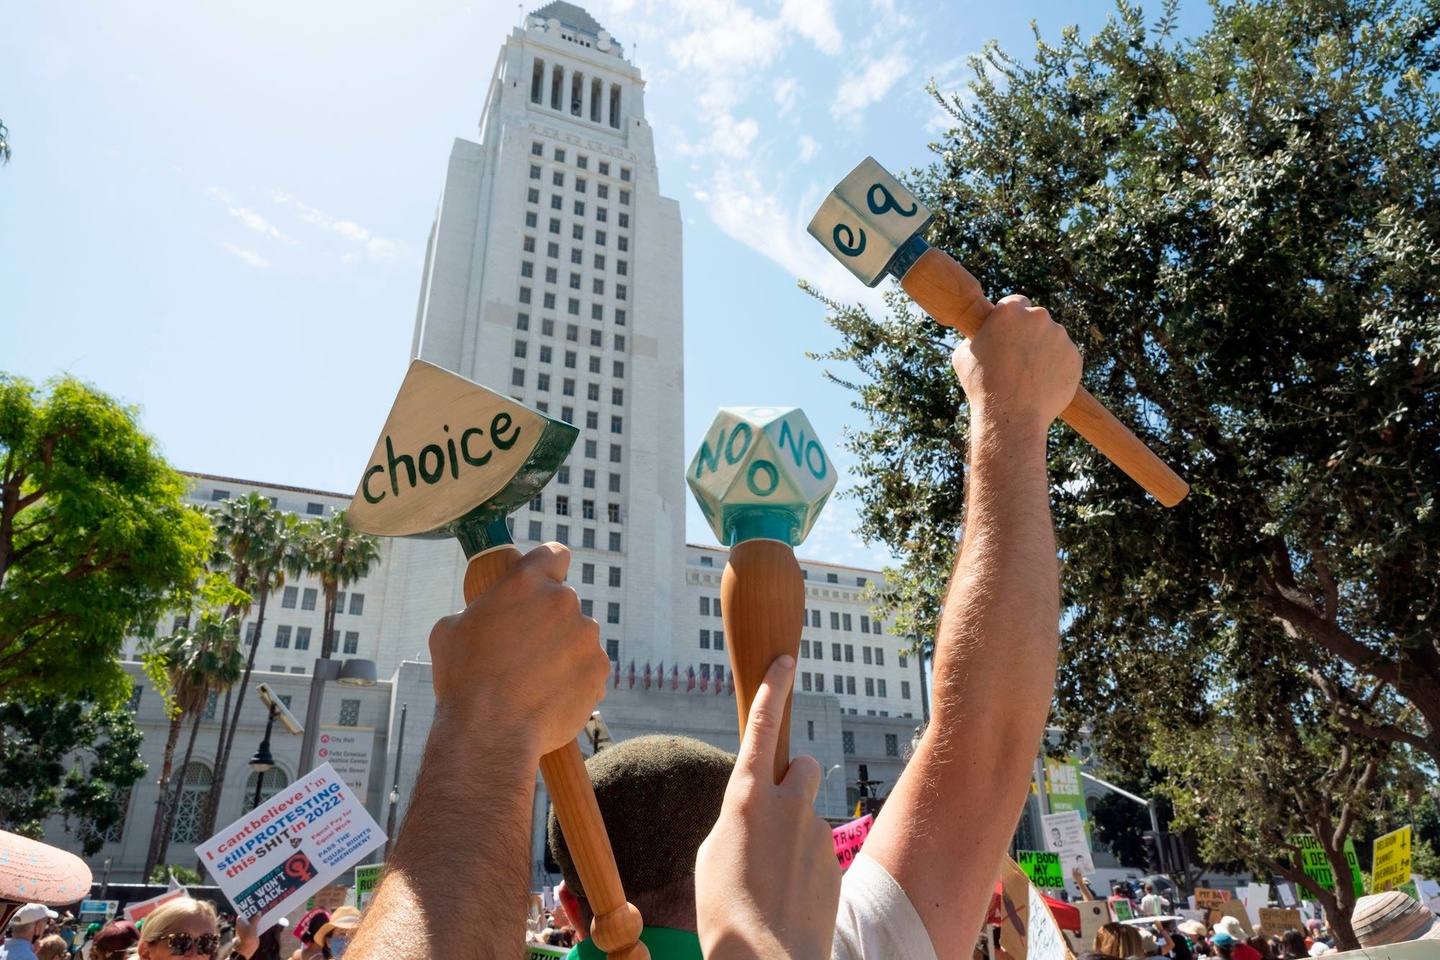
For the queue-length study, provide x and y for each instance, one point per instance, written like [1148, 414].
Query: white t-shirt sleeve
[877, 921]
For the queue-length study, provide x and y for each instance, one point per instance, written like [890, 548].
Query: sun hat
[343, 920]
[310, 924]
[1231, 925]
[1385, 918]
[1191, 928]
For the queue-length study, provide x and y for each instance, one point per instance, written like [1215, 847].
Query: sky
[218, 212]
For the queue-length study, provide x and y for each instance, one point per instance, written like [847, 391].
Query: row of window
[892, 740]
[572, 305]
[312, 509]
[587, 507]
[712, 640]
[552, 274]
[310, 595]
[580, 184]
[617, 369]
[587, 574]
[873, 686]
[846, 652]
[577, 230]
[572, 330]
[587, 479]
[612, 610]
[350, 641]
[584, 97]
[536, 534]
[843, 621]
[537, 149]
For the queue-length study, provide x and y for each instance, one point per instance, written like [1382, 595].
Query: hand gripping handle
[617, 925]
[946, 290]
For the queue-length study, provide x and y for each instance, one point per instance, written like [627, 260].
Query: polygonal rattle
[872, 225]
[761, 477]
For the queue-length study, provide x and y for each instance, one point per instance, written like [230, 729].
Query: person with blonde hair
[188, 927]
[51, 948]
[1119, 940]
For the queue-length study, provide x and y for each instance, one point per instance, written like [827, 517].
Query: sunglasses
[207, 944]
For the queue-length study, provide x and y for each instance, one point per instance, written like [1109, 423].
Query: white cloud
[248, 257]
[815, 21]
[871, 86]
[785, 90]
[808, 148]
[248, 217]
[376, 247]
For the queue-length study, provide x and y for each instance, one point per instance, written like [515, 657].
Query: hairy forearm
[454, 885]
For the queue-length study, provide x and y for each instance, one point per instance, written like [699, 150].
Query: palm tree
[195, 664]
[257, 543]
[4, 144]
[338, 556]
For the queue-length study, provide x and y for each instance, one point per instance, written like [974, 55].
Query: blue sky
[218, 211]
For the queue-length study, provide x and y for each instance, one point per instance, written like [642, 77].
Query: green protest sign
[1313, 862]
[367, 878]
[1042, 867]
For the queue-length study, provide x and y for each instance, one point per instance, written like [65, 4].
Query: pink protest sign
[849, 838]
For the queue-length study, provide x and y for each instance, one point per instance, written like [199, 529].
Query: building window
[588, 479]
[349, 713]
[614, 453]
[597, 312]
[864, 623]
[625, 198]
[614, 541]
[558, 178]
[612, 615]
[529, 244]
[810, 729]
[614, 576]
[904, 689]
[547, 328]
[592, 419]
[590, 448]
[554, 224]
[849, 624]
[869, 686]
[587, 538]
[579, 208]
[704, 639]
[849, 653]
[549, 301]
[719, 639]
[250, 634]
[847, 741]
[804, 649]
[282, 637]
[904, 660]
[617, 396]
[537, 148]
[517, 377]
[570, 356]
[522, 321]
[587, 607]
[587, 507]
[597, 287]
[537, 503]
[834, 620]
[562, 505]
[805, 683]
[594, 366]
[592, 390]
[715, 607]
[865, 652]
[302, 638]
[880, 688]
[618, 369]
[819, 683]
[616, 425]
[612, 512]
[289, 597]
[600, 238]
[559, 155]
[601, 214]
[815, 618]
[352, 641]
[521, 347]
[580, 181]
[534, 171]
[552, 250]
[357, 604]
[622, 267]
[531, 219]
[832, 578]
[578, 231]
[875, 627]
[217, 495]
[835, 652]
[619, 291]
[542, 382]
[624, 220]
[892, 745]
[534, 532]
[340, 602]
[850, 686]
[625, 174]
[587, 573]
[531, 196]
[879, 657]
[562, 533]
[197, 780]
[612, 650]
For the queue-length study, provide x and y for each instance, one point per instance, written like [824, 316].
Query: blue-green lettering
[731, 457]
[770, 471]
[848, 246]
[465, 448]
[498, 426]
[889, 204]
[427, 474]
[707, 457]
[405, 459]
[365, 484]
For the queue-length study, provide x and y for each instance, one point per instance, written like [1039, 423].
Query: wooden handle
[948, 292]
[617, 925]
[762, 603]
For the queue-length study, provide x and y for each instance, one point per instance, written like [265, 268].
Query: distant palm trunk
[161, 809]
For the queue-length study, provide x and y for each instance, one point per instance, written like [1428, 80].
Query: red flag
[704, 677]
[632, 674]
[647, 675]
[730, 684]
[690, 672]
[719, 672]
[675, 677]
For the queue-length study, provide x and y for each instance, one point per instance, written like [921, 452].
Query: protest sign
[1429, 891]
[1043, 939]
[1094, 914]
[1208, 899]
[1065, 835]
[849, 838]
[1236, 909]
[348, 750]
[1392, 861]
[538, 951]
[1122, 908]
[1062, 783]
[143, 909]
[1276, 920]
[1287, 894]
[1256, 895]
[1018, 914]
[290, 847]
[367, 878]
[1317, 867]
[327, 899]
[98, 909]
[1042, 867]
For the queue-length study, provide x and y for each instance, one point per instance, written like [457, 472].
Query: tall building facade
[553, 273]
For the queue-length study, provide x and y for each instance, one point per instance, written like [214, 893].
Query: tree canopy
[95, 539]
[1241, 231]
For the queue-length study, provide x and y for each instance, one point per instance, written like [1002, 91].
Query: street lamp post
[395, 790]
[598, 733]
[262, 763]
[355, 672]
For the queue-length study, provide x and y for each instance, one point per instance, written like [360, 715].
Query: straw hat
[1386, 918]
[1193, 929]
[343, 920]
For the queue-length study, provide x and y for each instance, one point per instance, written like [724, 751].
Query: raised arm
[950, 817]
[519, 671]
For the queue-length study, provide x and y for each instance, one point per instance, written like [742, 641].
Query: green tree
[257, 543]
[94, 539]
[73, 757]
[338, 556]
[196, 665]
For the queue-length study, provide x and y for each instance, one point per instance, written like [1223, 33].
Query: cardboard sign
[1276, 921]
[1236, 909]
[1392, 861]
[99, 909]
[143, 909]
[1256, 895]
[1317, 867]
[367, 878]
[1065, 835]
[849, 838]
[1208, 899]
[1094, 914]
[1042, 867]
[290, 847]
[1122, 908]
